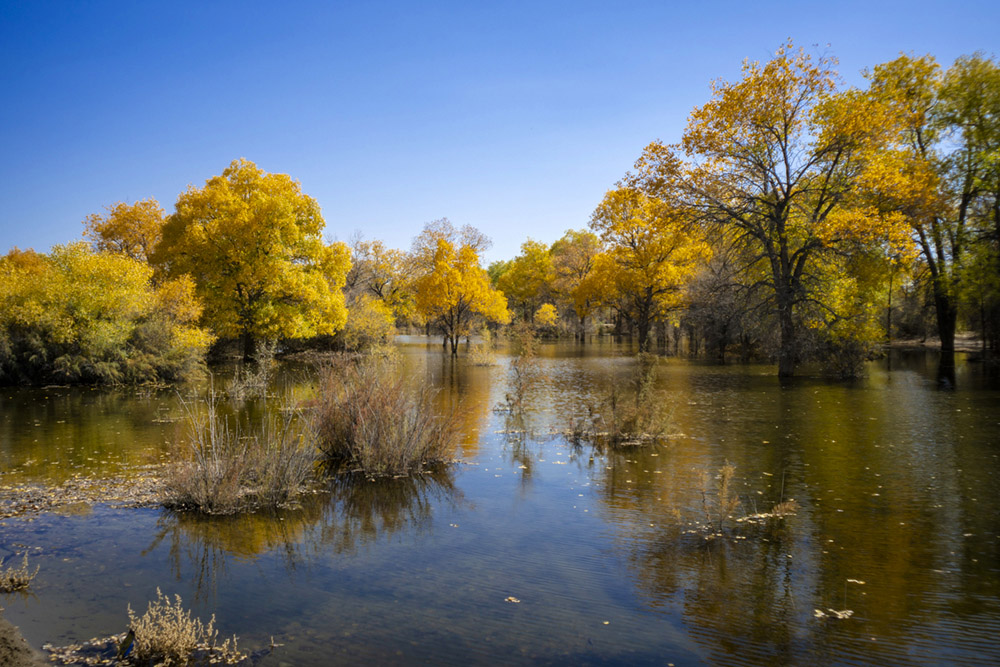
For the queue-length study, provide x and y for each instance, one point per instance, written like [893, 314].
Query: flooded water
[533, 550]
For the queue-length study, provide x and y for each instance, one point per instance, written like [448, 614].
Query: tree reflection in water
[353, 511]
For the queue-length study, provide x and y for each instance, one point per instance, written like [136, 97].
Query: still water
[898, 522]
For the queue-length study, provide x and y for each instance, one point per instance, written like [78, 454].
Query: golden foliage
[651, 251]
[130, 229]
[252, 243]
[79, 316]
[452, 287]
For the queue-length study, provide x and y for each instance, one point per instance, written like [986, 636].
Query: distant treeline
[794, 220]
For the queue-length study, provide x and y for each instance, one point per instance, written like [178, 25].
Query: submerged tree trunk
[786, 351]
[947, 316]
[249, 343]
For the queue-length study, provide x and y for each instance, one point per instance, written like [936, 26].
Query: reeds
[368, 418]
[227, 470]
[16, 578]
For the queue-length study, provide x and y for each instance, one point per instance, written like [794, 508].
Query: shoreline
[15, 651]
[964, 343]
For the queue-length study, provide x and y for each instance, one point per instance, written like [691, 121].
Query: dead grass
[483, 353]
[167, 635]
[16, 578]
[368, 418]
[227, 470]
[629, 414]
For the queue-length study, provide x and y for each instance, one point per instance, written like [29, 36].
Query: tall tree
[651, 250]
[132, 230]
[572, 259]
[527, 280]
[773, 159]
[947, 171]
[252, 242]
[451, 286]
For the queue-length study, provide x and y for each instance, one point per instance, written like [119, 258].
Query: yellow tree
[383, 273]
[527, 279]
[129, 229]
[651, 251]
[774, 159]
[572, 259]
[946, 176]
[75, 315]
[252, 243]
[453, 288]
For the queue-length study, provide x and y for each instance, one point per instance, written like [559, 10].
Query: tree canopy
[252, 242]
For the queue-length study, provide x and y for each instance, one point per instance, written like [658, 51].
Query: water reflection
[351, 513]
[362, 511]
[894, 484]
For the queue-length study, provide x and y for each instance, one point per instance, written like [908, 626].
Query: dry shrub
[368, 418]
[167, 635]
[16, 578]
[628, 414]
[483, 353]
[525, 372]
[726, 502]
[229, 471]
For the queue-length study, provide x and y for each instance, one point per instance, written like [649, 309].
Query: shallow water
[896, 482]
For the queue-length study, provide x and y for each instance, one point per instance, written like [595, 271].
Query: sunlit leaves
[132, 230]
[452, 287]
[79, 316]
[252, 243]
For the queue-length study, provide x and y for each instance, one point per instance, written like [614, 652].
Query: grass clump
[368, 418]
[228, 470]
[483, 353]
[629, 414]
[167, 635]
[16, 578]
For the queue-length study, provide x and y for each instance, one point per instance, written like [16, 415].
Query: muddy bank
[15, 650]
[140, 487]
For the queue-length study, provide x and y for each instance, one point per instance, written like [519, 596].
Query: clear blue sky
[514, 117]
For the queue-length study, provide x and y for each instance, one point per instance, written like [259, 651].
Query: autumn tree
[773, 160]
[79, 316]
[948, 168]
[451, 287]
[132, 230]
[651, 250]
[252, 243]
[527, 279]
[572, 259]
[383, 273]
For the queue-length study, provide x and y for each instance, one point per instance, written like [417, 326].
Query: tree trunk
[947, 316]
[249, 347]
[786, 351]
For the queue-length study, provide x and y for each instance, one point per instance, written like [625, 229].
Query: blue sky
[514, 117]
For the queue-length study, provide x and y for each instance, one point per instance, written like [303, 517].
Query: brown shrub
[368, 418]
